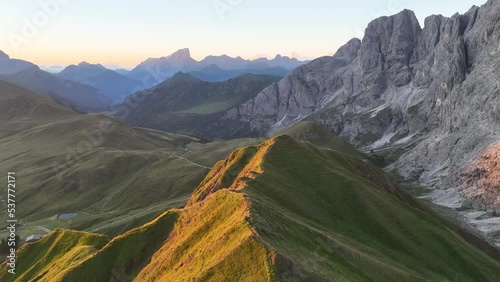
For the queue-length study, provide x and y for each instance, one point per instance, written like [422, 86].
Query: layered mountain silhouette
[106, 86]
[11, 66]
[213, 68]
[70, 93]
[112, 84]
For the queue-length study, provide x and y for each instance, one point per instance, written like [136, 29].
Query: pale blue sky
[126, 32]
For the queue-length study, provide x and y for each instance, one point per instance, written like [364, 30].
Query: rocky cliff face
[431, 94]
[466, 108]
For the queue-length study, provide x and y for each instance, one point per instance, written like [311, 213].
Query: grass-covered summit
[286, 210]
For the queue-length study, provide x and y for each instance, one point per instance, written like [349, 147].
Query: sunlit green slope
[289, 211]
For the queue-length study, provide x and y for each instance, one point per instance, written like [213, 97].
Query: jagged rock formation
[396, 66]
[431, 92]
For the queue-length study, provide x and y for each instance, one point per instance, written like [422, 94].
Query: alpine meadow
[370, 153]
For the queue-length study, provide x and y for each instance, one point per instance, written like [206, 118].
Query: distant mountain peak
[3, 56]
[181, 54]
[404, 19]
[89, 65]
[83, 64]
[227, 66]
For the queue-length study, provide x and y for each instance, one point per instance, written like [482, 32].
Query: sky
[123, 33]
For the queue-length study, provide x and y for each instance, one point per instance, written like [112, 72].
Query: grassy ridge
[124, 170]
[366, 223]
[53, 256]
[130, 169]
[121, 258]
[289, 211]
[115, 175]
[20, 109]
[211, 242]
[329, 216]
[320, 136]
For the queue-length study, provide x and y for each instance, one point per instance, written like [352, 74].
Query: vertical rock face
[388, 45]
[467, 103]
[436, 88]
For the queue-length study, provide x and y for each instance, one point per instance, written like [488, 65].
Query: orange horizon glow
[128, 61]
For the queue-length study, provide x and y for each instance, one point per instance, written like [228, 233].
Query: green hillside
[112, 84]
[320, 136]
[289, 211]
[115, 176]
[114, 179]
[331, 217]
[123, 257]
[21, 109]
[186, 105]
[70, 93]
[53, 256]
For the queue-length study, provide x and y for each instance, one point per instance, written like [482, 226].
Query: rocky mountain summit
[429, 95]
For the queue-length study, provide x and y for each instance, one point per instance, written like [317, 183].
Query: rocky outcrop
[480, 180]
[431, 92]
